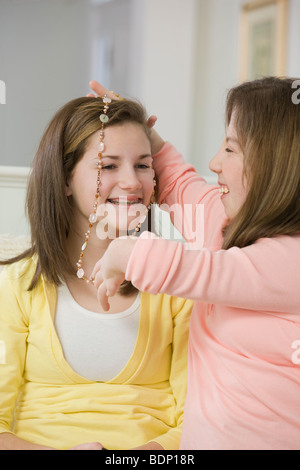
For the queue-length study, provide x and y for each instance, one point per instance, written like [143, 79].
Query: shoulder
[16, 300]
[16, 277]
[279, 247]
[23, 269]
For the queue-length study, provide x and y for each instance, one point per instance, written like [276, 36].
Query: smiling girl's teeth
[223, 190]
[124, 202]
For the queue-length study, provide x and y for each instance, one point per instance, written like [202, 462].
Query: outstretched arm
[246, 278]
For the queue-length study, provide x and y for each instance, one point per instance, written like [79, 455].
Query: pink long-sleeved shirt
[244, 351]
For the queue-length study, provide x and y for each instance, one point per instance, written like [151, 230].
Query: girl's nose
[215, 164]
[129, 180]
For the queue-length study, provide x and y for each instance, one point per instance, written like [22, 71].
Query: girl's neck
[94, 250]
[85, 294]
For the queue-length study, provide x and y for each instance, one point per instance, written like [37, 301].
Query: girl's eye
[142, 166]
[108, 167]
[228, 150]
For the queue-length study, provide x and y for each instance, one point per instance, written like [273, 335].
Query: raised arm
[156, 140]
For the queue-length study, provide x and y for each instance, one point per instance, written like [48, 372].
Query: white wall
[163, 63]
[216, 72]
[13, 183]
[187, 53]
[109, 42]
[48, 55]
[44, 63]
[293, 39]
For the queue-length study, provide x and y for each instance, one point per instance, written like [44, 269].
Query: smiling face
[228, 164]
[126, 180]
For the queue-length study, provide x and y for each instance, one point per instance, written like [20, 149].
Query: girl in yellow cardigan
[72, 375]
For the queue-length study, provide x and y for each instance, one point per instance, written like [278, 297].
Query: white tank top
[96, 345]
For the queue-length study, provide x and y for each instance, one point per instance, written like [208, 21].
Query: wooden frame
[263, 39]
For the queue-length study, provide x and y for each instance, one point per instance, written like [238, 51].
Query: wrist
[157, 142]
[122, 250]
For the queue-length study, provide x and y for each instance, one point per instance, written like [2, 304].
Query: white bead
[100, 146]
[104, 118]
[80, 273]
[92, 218]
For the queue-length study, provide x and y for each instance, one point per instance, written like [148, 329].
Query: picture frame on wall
[263, 26]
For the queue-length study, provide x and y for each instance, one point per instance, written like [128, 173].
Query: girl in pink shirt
[243, 273]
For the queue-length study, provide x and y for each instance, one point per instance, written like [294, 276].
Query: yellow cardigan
[42, 400]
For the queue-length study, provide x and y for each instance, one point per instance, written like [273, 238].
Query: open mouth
[125, 201]
[223, 190]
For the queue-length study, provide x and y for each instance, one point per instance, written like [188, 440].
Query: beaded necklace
[93, 216]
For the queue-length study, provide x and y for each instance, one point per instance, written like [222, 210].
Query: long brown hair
[268, 129]
[62, 146]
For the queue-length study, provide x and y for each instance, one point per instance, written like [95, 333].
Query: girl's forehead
[130, 128]
[119, 141]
